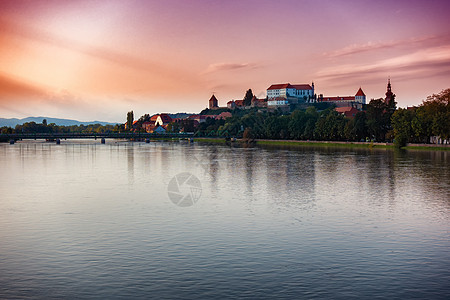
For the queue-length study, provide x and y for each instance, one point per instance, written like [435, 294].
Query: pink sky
[99, 59]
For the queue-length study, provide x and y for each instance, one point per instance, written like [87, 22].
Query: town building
[213, 102]
[348, 111]
[149, 126]
[235, 104]
[390, 97]
[199, 118]
[223, 115]
[162, 119]
[160, 129]
[356, 101]
[255, 102]
[293, 93]
[258, 102]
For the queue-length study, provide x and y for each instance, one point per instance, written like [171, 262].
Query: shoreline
[300, 143]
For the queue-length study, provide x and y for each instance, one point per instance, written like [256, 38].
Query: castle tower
[213, 103]
[389, 95]
[360, 96]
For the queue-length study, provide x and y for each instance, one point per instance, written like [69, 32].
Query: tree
[248, 97]
[130, 119]
[330, 126]
[379, 118]
[44, 122]
[401, 124]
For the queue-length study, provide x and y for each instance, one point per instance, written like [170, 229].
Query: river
[166, 220]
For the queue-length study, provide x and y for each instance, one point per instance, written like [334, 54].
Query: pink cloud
[417, 42]
[217, 67]
[426, 62]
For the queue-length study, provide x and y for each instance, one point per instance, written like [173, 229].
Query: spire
[360, 92]
[389, 94]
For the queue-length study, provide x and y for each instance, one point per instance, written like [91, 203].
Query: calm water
[85, 220]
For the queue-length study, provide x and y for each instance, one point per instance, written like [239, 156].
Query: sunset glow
[99, 59]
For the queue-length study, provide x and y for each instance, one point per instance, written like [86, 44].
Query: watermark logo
[184, 189]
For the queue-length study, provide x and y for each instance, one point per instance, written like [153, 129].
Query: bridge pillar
[103, 140]
[58, 141]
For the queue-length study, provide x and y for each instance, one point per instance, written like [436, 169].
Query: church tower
[389, 95]
[360, 96]
[213, 103]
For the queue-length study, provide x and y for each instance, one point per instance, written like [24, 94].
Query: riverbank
[368, 145]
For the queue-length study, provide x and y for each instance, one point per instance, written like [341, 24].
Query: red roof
[223, 115]
[213, 98]
[290, 86]
[348, 111]
[165, 118]
[254, 99]
[346, 98]
[239, 102]
[153, 118]
[360, 93]
[280, 86]
[302, 86]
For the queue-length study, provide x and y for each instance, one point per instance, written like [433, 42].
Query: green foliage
[248, 97]
[432, 118]
[330, 126]
[378, 123]
[130, 119]
[214, 112]
[401, 124]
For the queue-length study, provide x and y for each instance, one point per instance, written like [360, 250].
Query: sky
[99, 59]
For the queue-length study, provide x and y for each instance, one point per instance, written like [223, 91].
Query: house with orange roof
[348, 111]
[161, 119]
[223, 115]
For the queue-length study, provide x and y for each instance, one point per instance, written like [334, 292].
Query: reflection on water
[85, 220]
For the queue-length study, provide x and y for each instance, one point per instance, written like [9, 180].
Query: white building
[293, 93]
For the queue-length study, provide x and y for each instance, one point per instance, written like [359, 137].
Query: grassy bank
[211, 140]
[328, 144]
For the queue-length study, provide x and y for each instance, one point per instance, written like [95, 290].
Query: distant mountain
[62, 122]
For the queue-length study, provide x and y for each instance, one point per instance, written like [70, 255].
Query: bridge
[110, 135]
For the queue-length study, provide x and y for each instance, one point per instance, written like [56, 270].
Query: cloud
[417, 42]
[12, 87]
[121, 59]
[422, 63]
[218, 67]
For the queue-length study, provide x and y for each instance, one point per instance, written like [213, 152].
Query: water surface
[86, 220]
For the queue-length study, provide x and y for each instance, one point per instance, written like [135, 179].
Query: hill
[62, 122]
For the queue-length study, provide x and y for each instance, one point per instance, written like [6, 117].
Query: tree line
[418, 124]
[33, 127]
[308, 124]
[378, 122]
